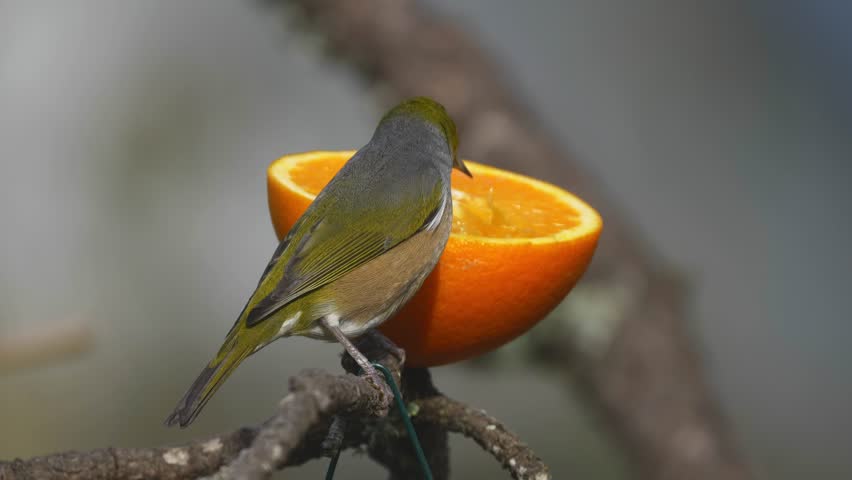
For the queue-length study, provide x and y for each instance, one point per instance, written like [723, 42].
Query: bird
[360, 251]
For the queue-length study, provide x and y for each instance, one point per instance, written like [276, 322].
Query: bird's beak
[459, 164]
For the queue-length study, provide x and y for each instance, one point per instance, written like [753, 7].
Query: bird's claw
[377, 380]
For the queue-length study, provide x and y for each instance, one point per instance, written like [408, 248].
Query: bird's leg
[369, 370]
[353, 351]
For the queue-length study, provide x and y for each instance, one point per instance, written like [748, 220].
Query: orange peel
[517, 247]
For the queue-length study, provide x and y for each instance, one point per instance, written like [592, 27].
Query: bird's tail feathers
[232, 353]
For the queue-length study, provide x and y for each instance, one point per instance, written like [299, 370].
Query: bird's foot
[379, 342]
[377, 381]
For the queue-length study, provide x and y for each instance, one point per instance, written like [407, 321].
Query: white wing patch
[288, 324]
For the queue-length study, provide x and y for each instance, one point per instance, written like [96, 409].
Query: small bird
[360, 251]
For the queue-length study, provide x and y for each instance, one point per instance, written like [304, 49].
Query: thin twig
[513, 454]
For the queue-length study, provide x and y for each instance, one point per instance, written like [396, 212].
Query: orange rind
[517, 247]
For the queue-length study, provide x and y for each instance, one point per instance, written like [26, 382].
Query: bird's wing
[325, 246]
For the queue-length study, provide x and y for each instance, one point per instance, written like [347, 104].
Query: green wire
[406, 419]
[329, 474]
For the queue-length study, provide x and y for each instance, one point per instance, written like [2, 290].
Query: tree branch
[166, 463]
[296, 433]
[315, 395]
[486, 431]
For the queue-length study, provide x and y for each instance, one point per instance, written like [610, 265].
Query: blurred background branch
[642, 373]
[45, 346]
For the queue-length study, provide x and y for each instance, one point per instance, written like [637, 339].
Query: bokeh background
[134, 138]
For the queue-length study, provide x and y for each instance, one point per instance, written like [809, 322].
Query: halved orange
[517, 247]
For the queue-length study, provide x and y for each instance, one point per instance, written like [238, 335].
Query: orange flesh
[313, 176]
[486, 206]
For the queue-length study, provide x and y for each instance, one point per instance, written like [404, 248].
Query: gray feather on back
[389, 190]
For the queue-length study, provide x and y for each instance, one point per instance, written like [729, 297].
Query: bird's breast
[373, 292]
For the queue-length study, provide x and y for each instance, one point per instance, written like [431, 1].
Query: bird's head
[432, 112]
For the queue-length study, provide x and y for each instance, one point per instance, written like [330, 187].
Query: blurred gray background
[134, 138]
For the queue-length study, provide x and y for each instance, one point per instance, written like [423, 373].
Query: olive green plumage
[359, 252]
